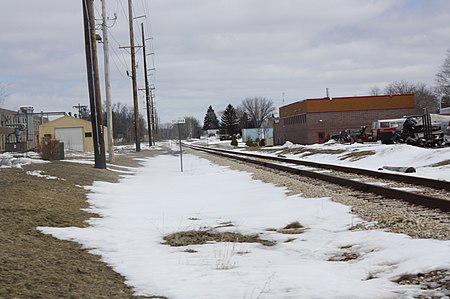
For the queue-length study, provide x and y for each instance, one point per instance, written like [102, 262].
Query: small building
[75, 133]
[314, 120]
[212, 132]
[258, 134]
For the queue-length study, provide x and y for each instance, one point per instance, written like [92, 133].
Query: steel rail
[416, 198]
[419, 181]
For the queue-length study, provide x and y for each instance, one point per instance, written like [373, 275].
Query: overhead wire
[119, 58]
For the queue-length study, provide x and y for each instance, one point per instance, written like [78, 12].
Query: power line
[124, 61]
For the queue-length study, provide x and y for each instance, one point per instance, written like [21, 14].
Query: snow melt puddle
[327, 260]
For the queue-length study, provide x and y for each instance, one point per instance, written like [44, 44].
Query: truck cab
[384, 129]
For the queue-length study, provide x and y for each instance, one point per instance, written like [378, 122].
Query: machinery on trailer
[422, 130]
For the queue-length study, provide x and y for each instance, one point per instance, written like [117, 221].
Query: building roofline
[352, 97]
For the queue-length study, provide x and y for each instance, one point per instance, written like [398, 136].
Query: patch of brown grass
[34, 265]
[344, 257]
[198, 237]
[357, 155]
[292, 228]
[442, 163]
[294, 224]
[290, 240]
[304, 151]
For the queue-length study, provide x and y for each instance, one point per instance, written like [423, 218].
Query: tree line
[253, 112]
[429, 98]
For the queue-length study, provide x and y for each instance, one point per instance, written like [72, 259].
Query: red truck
[384, 129]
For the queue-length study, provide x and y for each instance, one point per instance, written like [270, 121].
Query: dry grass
[292, 228]
[357, 155]
[442, 163]
[34, 265]
[197, 237]
[304, 151]
[344, 257]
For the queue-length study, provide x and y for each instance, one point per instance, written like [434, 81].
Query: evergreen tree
[245, 122]
[230, 121]
[210, 121]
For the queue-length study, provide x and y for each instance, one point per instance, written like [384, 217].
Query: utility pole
[147, 89]
[153, 120]
[133, 77]
[107, 84]
[81, 110]
[93, 82]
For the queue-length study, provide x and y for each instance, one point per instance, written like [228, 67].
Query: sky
[215, 52]
[129, 236]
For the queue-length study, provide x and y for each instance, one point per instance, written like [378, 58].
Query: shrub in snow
[234, 141]
[250, 142]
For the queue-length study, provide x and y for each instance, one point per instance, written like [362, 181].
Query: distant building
[258, 134]
[12, 122]
[445, 111]
[313, 120]
[75, 133]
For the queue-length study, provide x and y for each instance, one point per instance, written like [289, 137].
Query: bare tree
[191, 128]
[258, 109]
[425, 96]
[443, 81]
[375, 91]
[399, 87]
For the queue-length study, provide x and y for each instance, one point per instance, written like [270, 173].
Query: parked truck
[384, 129]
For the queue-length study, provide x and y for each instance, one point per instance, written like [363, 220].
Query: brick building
[9, 120]
[312, 120]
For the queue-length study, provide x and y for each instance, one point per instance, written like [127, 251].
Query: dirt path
[33, 265]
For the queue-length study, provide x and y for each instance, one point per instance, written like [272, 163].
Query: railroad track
[420, 191]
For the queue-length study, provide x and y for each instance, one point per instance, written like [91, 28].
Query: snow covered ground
[8, 160]
[159, 199]
[428, 162]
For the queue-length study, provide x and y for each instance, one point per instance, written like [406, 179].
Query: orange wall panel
[342, 104]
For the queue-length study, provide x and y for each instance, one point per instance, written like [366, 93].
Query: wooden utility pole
[109, 120]
[93, 82]
[147, 89]
[153, 120]
[133, 77]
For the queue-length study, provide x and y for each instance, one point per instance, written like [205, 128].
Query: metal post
[181, 150]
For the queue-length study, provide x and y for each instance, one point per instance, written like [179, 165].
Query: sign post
[178, 122]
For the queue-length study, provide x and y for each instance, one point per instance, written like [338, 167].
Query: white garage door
[72, 138]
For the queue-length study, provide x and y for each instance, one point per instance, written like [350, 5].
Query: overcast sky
[216, 52]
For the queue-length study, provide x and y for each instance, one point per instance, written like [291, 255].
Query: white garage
[72, 137]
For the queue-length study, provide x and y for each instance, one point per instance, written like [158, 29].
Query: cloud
[219, 52]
